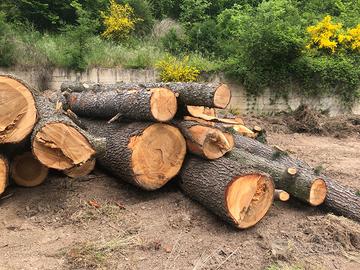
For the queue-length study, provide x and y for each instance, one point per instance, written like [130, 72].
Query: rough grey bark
[135, 105]
[340, 199]
[195, 94]
[298, 186]
[48, 114]
[207, 182]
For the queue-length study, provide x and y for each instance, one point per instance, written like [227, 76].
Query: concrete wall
[267, 103]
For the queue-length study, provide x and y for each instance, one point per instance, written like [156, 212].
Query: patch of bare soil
[99, 223]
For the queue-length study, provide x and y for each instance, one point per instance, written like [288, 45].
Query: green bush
[267, 39]
[193, 11]
[142, 10]
[7, 49]
[204, 37]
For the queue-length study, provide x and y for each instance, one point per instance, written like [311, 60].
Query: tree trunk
[236, 193]
[157, 104]
[196, 94]
[18, 113]
[27, 171]
[340, 199]
[207, 142]
[301, 185]
[58, 143]
[146, 155]
[4, 173]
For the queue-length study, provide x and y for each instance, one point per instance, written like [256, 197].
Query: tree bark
[157, 104]
[236, 193]
[196, 94]
[205, 141]
[340, 199]
[18, 113]
[58, 143]
[146, 155]
[302, 185]
[4, 173]
[27, 171]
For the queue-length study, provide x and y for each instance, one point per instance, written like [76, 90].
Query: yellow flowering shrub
[324, 34]
[174, 70]
[351, 38]
[119, 21]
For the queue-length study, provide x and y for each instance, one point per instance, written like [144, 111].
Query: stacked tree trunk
[140, 133]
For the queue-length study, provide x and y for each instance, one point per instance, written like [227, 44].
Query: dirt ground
[99, 223]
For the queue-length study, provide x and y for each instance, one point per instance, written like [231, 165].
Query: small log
[340, 199]
[244, 131]
[4, 173]
[146, 155]
[237, 194]
[156, 104]
[18, 113]
[27, 171]
[205, 141]
[281, 195]
[81, 170]
[209, 95]
[303, 186]
[58, 143]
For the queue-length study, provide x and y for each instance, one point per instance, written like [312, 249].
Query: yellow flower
[119, 21]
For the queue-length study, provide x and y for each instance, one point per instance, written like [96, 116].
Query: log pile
[147, 134]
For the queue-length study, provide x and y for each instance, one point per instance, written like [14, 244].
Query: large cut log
[340, 199]
[58, 143]
[238, 194]
[215, 95]
[4, 173]
[299, 183]
[146, 155]
[205, 141]
[18, 112]
[155, 104]
[27, 171]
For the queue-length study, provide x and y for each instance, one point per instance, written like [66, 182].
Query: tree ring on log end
[157, 155]
[59, 146]
[248, 198]
[17, 111]
[27, 171]
[318, 192]
[3, 175]
[222, 96]
[163, 104]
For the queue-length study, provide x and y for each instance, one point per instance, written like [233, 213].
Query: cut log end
[157, 155]
[292, 171]
[222, 96]
[318, 192]
[163, 104]
[3, 174]
[281, 195]
[26, 171]
[17, 111]
[82, 170]
[209, 142]
[61, 147]
[248, 199]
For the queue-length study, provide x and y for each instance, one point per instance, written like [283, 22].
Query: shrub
[119, 22]
[142, 11]
[194, 11]
[175, 41]
[7, 50]
[324, 34]
[204, 37]
[174, 70]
